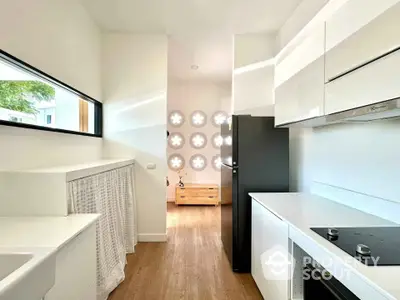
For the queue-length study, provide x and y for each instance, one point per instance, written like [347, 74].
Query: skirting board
[171, 199]
[152, 237]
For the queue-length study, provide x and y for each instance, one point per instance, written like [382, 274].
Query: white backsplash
[354, 164]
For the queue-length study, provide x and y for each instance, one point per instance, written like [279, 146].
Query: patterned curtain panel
[110, 194]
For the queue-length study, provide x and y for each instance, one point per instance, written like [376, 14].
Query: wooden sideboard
[197, 194]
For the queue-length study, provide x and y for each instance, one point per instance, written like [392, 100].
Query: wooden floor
[191, 265]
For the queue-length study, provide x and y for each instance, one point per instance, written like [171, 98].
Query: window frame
[98, 106]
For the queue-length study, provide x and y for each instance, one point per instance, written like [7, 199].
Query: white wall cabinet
[302, 96]
[299, 84]
[76, 269]
[375, 82]
[269, 235]
[364, 54]
[359, 32]
[349, 61]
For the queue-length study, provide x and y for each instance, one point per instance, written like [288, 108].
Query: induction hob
[373, 246]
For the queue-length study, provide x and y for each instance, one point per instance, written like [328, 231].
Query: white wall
[253, 92]
[27, 148]
[362, 157]
[187, 97]
[253, 48]
[56, 36]
[354, 164]
[135, 87]
[253, 81]
[59, 38]
[301, 159]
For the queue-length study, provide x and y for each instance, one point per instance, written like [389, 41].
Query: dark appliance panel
[318, 286]
[257, 161]
[382, 243]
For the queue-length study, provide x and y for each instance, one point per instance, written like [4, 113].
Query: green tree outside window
[17, 95]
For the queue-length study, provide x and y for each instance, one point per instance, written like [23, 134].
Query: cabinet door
[76, 269]
[375, 82]
[299, 91]
[359, 32]
[269, 236]
[302, 96]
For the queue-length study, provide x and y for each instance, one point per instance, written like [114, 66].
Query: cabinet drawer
[359, 32]
[210, 200]
[195, 191]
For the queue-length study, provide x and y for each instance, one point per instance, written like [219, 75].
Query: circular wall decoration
[198, 162]
[216, 162]
[198, 140]
[198, 118]
[176, 140]
[219, 118]
[228, 160]
[217, 140]
[176, 118]
[176, 162]
[228, 140]
[229, 121]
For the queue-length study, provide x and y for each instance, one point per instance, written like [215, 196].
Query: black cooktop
[379, 246]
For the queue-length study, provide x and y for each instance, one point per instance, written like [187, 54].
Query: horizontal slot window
[29, 98]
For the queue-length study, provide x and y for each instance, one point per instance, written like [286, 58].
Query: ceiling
[211, 53]
[200, 30]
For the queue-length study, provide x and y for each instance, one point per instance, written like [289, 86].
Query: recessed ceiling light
[194, 67]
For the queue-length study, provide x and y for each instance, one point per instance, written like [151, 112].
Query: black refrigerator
[255, 158]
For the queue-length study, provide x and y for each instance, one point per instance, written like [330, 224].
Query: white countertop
[49, 232]
[73, 172]
[302, 211]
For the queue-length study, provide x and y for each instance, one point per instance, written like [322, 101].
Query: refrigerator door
[263, 155]
[260, 156]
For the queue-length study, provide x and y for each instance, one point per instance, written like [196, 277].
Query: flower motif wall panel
[176, 118]
[198, 140]
[195, 114]
[176, 162]
[176, 140]
[198, 118]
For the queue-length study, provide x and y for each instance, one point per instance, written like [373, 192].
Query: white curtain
[110, 194]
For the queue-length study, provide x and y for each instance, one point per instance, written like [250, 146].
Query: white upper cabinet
[351, 60]
[373, 83]
[299, 80]
[359, 32]
[361, 58]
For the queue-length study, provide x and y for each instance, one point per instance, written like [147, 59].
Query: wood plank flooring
[192, 265]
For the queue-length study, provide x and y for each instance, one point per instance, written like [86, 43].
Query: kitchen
[309, 161]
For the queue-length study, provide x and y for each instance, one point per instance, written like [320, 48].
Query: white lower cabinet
[270, 253]
[76, 269]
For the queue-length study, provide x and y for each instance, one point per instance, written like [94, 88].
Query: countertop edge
[89, 223]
